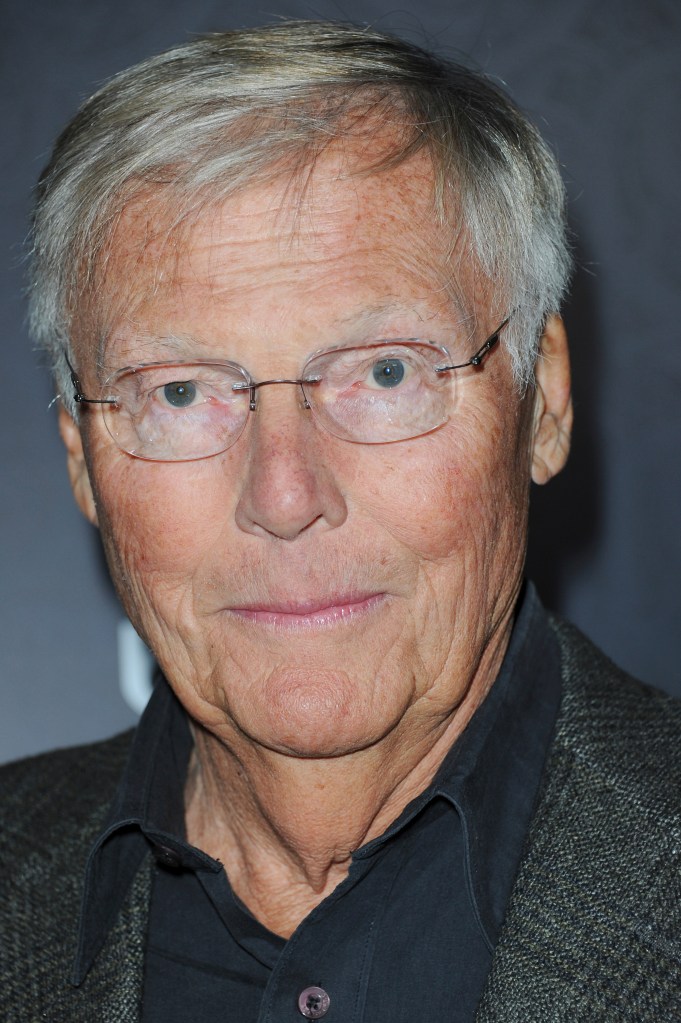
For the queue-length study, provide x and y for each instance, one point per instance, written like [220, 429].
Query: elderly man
[301, 289]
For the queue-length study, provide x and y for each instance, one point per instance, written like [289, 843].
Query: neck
[286, 828]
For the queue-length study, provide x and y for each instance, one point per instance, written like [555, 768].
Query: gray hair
[231, 109]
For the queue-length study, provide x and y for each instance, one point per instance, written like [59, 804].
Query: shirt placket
[324, 969]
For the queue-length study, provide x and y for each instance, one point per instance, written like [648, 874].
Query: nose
[288, 486]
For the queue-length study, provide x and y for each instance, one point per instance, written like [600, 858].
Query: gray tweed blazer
[592, 930]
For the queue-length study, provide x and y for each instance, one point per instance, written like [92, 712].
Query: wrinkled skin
[415, 548]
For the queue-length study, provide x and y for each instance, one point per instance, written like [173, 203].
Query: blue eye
[180, 394]
[388, 372]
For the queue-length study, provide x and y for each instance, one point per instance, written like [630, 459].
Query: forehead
[327, 245]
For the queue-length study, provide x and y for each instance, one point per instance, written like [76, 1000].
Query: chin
[315, 714]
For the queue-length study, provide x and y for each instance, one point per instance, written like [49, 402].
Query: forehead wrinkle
[233, 276]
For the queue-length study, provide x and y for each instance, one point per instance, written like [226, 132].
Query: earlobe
[552, 403]
[77, 467]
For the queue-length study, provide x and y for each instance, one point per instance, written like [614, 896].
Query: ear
[552, 403]
[77, 467]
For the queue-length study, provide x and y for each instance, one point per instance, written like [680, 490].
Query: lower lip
[320, 618]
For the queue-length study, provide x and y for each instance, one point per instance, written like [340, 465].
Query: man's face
[300, 592]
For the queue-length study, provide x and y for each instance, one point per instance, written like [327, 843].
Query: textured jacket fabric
[592, 932]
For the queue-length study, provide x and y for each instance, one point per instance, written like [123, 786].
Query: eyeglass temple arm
[482, 352]
[78, 395]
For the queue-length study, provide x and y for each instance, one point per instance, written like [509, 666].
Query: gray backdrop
[603, 81]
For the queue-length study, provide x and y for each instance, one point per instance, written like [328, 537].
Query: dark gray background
[603, 81]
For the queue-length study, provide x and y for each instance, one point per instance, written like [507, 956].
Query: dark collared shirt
[408, 935]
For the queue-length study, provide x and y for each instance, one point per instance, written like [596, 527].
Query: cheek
[158, 521]
[453, 491]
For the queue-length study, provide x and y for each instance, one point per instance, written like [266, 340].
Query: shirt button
[313, 1002]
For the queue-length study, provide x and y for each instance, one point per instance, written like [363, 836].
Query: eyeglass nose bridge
[253, 386]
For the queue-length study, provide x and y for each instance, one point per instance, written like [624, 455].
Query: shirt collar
[493, 772]
[491, 776]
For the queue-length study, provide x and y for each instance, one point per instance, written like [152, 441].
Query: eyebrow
[392, 307]
[162, 345]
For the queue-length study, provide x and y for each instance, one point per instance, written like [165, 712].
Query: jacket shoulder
[617, 729]
[46, 796]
